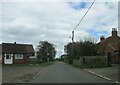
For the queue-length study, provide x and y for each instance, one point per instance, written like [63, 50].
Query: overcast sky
[31, 22]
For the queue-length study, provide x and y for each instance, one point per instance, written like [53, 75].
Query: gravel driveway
[19, 74]
[109, 72]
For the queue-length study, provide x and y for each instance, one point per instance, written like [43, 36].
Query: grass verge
[36, 64]
[90, 66]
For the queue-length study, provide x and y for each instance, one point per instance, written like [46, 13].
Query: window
[8, 56]
[18, 56]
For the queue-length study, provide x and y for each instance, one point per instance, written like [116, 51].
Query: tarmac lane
[61, 72]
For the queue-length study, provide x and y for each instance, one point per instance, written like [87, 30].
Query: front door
[8, 59]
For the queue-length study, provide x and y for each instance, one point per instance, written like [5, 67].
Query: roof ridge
[16, 44]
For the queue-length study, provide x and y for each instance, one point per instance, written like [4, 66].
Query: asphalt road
[61, 72]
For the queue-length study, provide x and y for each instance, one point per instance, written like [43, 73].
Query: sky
[33, 21]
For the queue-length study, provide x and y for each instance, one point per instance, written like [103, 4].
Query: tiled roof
[108, 39]
[104, 41]
[17, 48]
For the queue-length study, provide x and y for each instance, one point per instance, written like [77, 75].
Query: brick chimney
[102, 38]
[114, 32]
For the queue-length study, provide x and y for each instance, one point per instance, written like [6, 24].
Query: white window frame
[32, 56]
[10, 55]
[18, 56]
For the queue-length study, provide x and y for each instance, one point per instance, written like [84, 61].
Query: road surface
[61, 72]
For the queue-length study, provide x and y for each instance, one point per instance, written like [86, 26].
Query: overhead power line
[84, 15]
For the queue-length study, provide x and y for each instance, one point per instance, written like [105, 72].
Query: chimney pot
[102, 38]
[114, 32]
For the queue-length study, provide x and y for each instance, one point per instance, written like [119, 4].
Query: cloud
[58, 0]
[80, 5]
[31, 22]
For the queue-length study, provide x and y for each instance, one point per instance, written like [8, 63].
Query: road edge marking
[101, 76]
[36, 75]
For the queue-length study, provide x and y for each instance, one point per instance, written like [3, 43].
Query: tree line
[46, 51]
[86, 47]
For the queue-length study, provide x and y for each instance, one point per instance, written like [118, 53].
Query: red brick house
[13, 53]
[110, 45]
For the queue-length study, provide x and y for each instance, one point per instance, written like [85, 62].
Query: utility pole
[72, 36]
[81, 20]
[72, 43]
[72, 56]
[78, 25]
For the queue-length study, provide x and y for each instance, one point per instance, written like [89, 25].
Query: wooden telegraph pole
[71, 60]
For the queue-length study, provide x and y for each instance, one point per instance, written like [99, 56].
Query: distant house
[13, 53]
[110, 45]
[64, 56]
